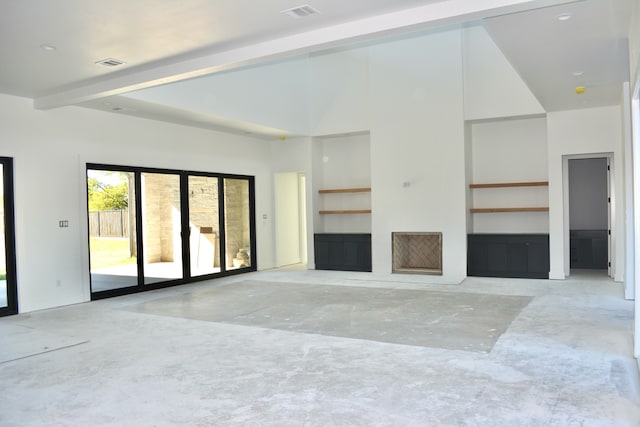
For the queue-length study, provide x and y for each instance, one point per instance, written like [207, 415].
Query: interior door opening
[589, 216]
[290, 219]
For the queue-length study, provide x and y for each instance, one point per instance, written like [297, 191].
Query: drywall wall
[274, 95]
[492, 87]
[345, 163]
[510, 151]
[589, 132]
[634, 45]
[295, 155]
[588, 207]
[50, 150]
[339, 92]
[417, 146]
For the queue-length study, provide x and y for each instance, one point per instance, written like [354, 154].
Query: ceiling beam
[171, 70]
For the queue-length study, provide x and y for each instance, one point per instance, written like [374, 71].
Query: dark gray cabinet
[342, 251]
[508, 255]
[589, 249]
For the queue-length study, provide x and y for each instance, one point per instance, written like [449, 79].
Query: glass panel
[161, 227]
[4, 300]
[112, 235]
[204, 222]
[237, 223]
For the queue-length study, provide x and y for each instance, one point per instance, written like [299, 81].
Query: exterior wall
[50, 151]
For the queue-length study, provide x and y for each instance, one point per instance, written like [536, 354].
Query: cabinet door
[497, 258]
[518, 258]
[538, 259]
[347, 252]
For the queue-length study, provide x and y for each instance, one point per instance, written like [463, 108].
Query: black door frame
[10, 239]
[184, 210]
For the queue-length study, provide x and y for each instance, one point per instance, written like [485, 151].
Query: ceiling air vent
[300, 11]
[110, 62]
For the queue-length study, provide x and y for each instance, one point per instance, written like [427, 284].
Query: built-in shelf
[348, 211]
[511, 184]
[498, 210]
[345, 190]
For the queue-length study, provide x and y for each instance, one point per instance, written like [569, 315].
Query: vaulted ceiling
[50, 49]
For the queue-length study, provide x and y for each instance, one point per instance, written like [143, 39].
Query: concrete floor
[561, 355]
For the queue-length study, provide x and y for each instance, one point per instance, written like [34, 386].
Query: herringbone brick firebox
[417, 252]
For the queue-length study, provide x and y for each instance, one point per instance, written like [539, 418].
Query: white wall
[295, 155]
[588, 131]
[345, 163]
[510, 151]
[417, 138]
[492, 87]
[634, 43]
[339, 92]
[50, 150]
[275, 95]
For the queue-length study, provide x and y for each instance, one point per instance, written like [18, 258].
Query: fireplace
[417, 253]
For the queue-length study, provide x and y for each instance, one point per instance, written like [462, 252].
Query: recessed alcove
[417, 252]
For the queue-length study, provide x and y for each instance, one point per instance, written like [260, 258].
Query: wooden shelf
[350, 211]
[498, 210]
[511, 184]
[345, 190]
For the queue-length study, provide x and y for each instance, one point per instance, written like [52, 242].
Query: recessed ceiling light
[47, 47]
[563, 17]
[577, 73]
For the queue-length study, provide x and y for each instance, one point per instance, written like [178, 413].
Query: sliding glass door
[161, 227]
[8, 284]
[237, 223]
[204, 225]
[112, 231]
[151, 228]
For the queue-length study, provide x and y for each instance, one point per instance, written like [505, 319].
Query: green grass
[3, 276]
[109, 252]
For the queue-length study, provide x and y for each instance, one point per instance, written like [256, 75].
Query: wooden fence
[109, 223]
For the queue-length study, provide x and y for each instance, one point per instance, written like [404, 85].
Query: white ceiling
[547, 52]
[163, 41]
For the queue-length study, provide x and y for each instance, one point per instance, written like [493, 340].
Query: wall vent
[300, 11]
[110, 62]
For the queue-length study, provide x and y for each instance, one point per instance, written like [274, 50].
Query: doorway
[151, 228]
[589, 216]
[8, 280]
[290, 218]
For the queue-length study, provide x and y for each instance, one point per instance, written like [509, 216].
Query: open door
[590, 215]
